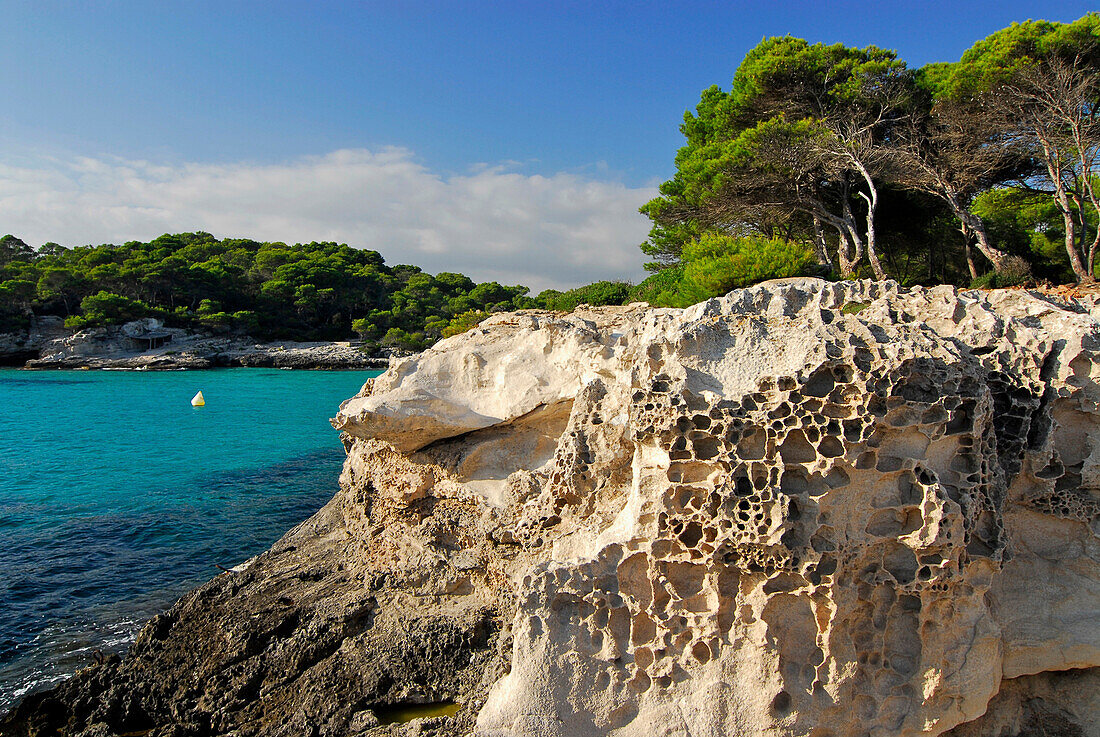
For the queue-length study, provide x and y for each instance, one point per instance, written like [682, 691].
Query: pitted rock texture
[806, 508]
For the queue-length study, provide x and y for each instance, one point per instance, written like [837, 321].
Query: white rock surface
[817, 509]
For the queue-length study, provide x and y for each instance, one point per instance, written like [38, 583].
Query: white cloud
[491, 224]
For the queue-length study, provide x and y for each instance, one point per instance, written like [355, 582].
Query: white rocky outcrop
[807, 508]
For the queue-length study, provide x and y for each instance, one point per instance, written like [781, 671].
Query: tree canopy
[824, 145]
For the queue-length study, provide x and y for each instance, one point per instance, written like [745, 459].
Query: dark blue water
[117, 496]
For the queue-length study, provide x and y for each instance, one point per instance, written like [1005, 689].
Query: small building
[150, 341]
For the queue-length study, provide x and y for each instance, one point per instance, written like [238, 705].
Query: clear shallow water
[116, 496]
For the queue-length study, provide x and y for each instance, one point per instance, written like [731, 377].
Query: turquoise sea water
[116, 496]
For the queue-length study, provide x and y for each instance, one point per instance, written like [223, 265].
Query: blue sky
[121, 119]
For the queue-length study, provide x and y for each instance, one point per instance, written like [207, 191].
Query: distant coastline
[146, 345]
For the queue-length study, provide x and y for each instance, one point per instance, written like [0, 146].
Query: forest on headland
[819, 160]
[311, 291]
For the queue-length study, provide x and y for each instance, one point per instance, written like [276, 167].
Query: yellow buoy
[197, 400]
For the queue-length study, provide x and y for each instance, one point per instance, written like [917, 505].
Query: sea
[117, 496]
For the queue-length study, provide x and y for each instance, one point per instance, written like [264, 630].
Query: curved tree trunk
[981, 240]
[1061, 198]
[872, 254]
[1091, 197]
[872, 207]
[849, 224]
[1082, 273]
[972, 226]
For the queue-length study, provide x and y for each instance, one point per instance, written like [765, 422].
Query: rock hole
[796, 449]
[701, 652]
[691, 535]
[830, 447]
[901, 563]
[820, 383]
[752, 445]
[706, 448]
[961, 419]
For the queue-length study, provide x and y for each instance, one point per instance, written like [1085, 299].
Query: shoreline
[150, 347]
[196, 362]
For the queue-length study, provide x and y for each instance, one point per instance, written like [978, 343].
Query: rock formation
[829, 510]
[25, 345]
[146, 344]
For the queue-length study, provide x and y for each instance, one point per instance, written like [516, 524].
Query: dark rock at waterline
[300, 642]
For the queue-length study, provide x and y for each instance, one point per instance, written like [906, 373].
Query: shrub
[718, 263]
[108, 308]
[1014, 272]
[402, 340]
[461, 323]
[659, 288]
[596, 294]
[715, 263]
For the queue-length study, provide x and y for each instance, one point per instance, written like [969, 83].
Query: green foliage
[596, 294]
[15, 293]
[854, 308]
[659, 288]
[404, 341]
[1028, 225]
[1000, 57]
[716, 263]
[313, 291]
[13, 249]
[789, 73]
[461, 323]
[362, 326]
[15, 299]
[107, 308]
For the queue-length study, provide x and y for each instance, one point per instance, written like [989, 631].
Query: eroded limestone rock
[813, 509]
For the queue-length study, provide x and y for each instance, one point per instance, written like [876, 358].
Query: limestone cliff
[816, 509]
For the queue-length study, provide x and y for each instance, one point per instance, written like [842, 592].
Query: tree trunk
[872, 206]
[1083, 274]
[1092, 249]
[1061, 197]
[844, 254]
[1088, 248]
[972, 227]
[970, 260]
[853, 231]
[981, 239]
[1085, 144]
[821, 246]
[872, 254]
